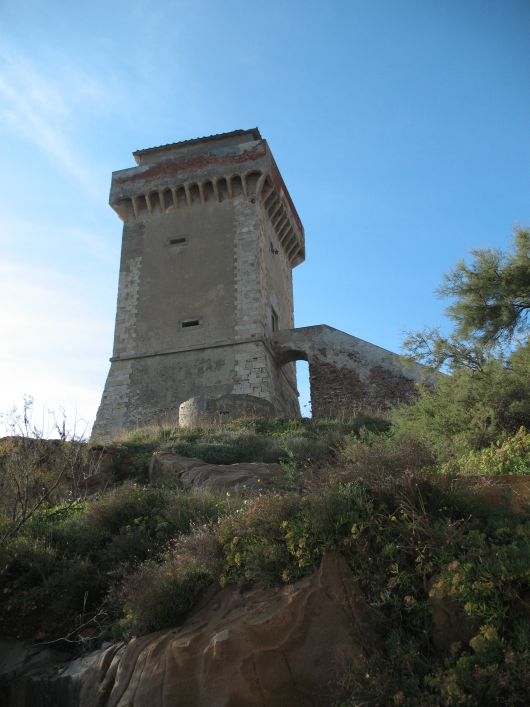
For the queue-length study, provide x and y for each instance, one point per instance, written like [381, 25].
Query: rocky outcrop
[450, 622]
[167, 466]
[284, 646]
[35, 675]
[195, 474]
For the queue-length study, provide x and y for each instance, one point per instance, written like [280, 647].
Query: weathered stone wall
[347, 374]
[334, 390]
[206, 411]
[210, 237]
[205, 301]
[277, 284]
[339, 390]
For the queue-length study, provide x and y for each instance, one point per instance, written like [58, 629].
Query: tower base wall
[145, 391]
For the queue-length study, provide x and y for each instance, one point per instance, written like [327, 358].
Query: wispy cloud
[43, 107]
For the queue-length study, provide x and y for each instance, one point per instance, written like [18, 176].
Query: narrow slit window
[274, 320]
[189, 322]
[180, 240]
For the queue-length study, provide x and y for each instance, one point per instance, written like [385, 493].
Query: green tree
[487, 396]
[492, 294]
[470, 409]
[490, 311]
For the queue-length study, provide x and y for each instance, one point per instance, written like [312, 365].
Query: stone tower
[210, 238]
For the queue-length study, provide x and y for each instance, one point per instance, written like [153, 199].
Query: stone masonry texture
[205, 317]
[347, 374]
[210, 237]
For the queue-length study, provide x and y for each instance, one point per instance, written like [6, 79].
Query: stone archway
[346, 373]
[284, 359]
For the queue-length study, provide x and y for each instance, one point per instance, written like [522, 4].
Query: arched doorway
[304, 388]
[297, 360]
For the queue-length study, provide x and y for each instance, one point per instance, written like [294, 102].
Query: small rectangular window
[189, 322]
[274, 320]
[180, 240]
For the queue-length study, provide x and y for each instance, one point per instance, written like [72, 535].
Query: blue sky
[401, 129]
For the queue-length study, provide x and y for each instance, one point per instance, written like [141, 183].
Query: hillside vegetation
[429, 507]
[130, 557]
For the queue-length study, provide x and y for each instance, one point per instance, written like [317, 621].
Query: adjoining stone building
[205, 320]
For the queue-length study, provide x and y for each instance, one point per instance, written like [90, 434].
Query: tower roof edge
[150, 154]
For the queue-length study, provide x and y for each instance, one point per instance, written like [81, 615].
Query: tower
[210, 238]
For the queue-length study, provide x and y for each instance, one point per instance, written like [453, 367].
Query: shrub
[142, 557]
[489, 579]
[68, 558]
[470, 410]
[383, 459]
[159, 595]
[397, 540]
[253, 540]
[43, 591]
[35, 472]
[511, 456]
[130, 522]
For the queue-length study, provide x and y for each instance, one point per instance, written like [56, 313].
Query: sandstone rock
[195, 474]
[286, 646]
[167, 466]
[279, 647]
[450, 623]
[232, 478]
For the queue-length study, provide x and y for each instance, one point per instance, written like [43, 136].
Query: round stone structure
[202, 411]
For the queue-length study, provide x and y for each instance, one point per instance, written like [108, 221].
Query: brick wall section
[347, 374]
[387, 388]
[341, 391]
[334, 390]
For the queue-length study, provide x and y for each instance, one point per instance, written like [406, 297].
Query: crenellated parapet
[205, 172]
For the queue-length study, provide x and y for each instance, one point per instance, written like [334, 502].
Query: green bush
[140, 519]
[139, 558]
[469, 410]
[512, 456]
[160, 596]
[399, 542]
[67, 558]
[253, 540]
[383, 459]
[489, 580]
